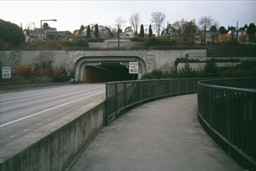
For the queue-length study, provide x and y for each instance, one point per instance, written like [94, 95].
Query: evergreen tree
[46, 26]
[222, 30]
[141, 30]
[150, 34]
[186, 71]
[96, 33]
[88, 32]
[81, 29]
[251, 32]
[211, 69]
[11, 33]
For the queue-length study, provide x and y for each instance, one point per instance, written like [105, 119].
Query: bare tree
[134, 21]
[189, 31]
[157, 21]
[205, 23]
[120, 22]
[31, 25]
[179, 25]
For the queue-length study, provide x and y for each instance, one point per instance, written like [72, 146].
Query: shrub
[25, 71]
[247, 68]
[51, 45]
[76, 43]
[59, 76]
[67, 43]
[155, 74]
[187, 72]
[81, 43]
[211, 69]
[167, 42]
[155, 42]
[6, 45]
[147, 76]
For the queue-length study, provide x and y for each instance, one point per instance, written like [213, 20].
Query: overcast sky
[71, 15]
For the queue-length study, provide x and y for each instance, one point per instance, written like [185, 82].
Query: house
[50, 30]
[242, 35]
[26, 35]
[104, 33]
[51, 33]
[212, 36]
[170, 32]
[128, 33]
[36, 35]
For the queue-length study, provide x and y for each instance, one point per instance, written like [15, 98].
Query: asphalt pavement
[25, 111]
[163, 135]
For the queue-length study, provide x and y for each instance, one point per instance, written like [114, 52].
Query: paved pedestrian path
[163, 135]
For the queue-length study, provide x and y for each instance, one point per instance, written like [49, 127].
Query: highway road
[22, 112]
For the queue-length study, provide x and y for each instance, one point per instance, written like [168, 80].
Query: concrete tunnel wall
[54, 151]
[93, 61]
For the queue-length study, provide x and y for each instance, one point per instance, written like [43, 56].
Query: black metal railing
[227, 111]
[123, 95]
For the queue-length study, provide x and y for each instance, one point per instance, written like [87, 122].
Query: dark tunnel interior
[108, 72]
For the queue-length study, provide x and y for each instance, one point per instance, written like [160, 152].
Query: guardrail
[227, 111]
[123, 95]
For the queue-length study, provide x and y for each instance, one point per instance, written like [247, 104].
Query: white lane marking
[12, 136]
[25, 130]
[48, 109]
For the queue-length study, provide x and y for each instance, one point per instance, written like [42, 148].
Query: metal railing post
[116, 100]
[125, 102]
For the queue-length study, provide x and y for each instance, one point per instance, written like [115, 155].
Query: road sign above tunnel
[133, 67]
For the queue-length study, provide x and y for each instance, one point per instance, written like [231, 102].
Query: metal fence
[123, 95]
[227, 109]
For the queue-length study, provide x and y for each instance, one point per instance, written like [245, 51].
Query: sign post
[6, 72]
[133, 68]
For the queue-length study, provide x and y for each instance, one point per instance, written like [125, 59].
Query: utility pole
[118, 36]
[41, 47]
[237, 31]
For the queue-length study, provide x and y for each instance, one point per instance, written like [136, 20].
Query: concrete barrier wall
[56, 145]
[201, 66]
[154, 59]
[114, 44]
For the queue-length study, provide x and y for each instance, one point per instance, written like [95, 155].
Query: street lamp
[118, 36]
[41, 47]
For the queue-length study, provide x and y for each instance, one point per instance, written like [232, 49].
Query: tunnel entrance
[107, 72]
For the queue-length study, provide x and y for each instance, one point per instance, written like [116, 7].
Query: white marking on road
[12, 136]
[26, 117]
[25, 130]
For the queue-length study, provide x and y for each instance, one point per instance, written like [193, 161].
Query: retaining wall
[55, 146]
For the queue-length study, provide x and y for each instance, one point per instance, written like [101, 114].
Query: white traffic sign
[133, 68]
[6, 72]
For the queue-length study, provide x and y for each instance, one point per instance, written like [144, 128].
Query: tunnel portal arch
[84, 61]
